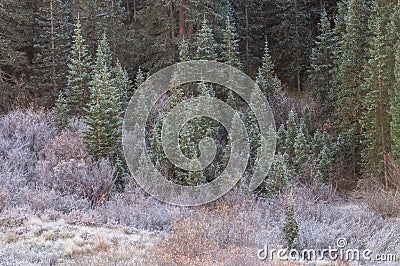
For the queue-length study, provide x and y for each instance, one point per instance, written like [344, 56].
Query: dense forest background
[330, 70]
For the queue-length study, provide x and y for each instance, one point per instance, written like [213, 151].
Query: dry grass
[382, 195]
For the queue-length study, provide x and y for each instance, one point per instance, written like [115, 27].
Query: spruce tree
[281, 139]
[122, 84]
[79, 71]
[324, 167]
[230, 53]
[271, 86]
[377, 89]
[291, 228]
[348, 93]
[54, 30]
[103, 134]
[205, 43]
[291, 134]
[395, 109]
[301, 151]
[322, 62]
[62, 112]
[139, 79]
[278, 176]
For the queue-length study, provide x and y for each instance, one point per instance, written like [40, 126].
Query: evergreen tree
[54, 30]
[377, 89]
[280, 139]
[301, 151]
[348, 79]
[79, 70]
[16, 27]
[322, 60]
[139, 79]
[205, 43]
[317, 144]
[291, 228]
[184, 50]
[291, 134]
[267, 69]
[107, 17]
[324, 167]
[395, 109]
[62, 112]
[278, 176]
[122, 85]
[271, 86]
[230, 53]
[103, 134]
[294, 31]
[156, 39]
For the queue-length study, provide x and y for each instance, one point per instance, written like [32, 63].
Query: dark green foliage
[230, 47]
[294, 32]
[291, 134]
[62, 112]
[79, 71]
[278, 176]
[348, 78]
[103, 120]
[322, 63]
[301, 152]
[377, 89]
[395, 109]
[53, 39]
[291, 228]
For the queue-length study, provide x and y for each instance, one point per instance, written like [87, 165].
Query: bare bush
[66, 167]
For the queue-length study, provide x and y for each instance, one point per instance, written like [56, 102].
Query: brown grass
[382, 195]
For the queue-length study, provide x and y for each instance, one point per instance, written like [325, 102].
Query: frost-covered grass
[57, 208]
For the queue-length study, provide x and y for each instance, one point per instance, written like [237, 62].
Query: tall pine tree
[79, 71]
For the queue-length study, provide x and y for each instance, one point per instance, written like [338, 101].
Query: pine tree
[281, 139]
[122, 85]
[184, 50]
[62, 112]
[205, 43]
[324, 167]
[322, 62]
[291, 134]
[348, 94]
[395, 109]
[377, 89]
[301, 151]
[278, 176]
[103, 121]
[230, 53]
[107, 17]
[139, 79]
[54, 30]
[271, 86]
[294, 30]
[79, 71]
[291, 228]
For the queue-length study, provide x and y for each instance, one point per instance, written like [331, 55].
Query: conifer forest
[328, 70]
